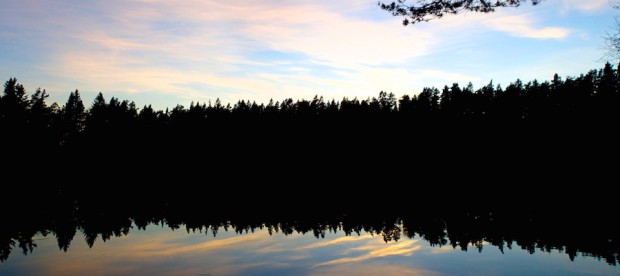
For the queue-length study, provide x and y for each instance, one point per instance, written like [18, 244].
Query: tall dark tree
[74, 112]
[14, 101]
[387, 101]
[98, 115]
[40, 117]
[14, 115]
[99, 104]
[37, 101]
[425, 10]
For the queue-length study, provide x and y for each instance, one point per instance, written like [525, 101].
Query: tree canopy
[426, 10]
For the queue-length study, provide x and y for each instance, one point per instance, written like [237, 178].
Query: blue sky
[174, 52]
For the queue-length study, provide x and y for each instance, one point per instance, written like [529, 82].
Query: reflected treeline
[578, 231]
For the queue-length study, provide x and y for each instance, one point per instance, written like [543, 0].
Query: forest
[484, 146]
[568, 120]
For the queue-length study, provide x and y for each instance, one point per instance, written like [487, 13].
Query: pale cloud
[522, 22]
[524, 26]
[319, 30]
[329, 37]
[197, 50]
[585, 5]
[200, 50]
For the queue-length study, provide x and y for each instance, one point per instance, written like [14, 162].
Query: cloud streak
[342, 240]
[523, 26]
[404, 248]
[157, 45]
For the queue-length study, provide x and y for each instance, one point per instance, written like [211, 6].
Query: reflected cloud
[177, 250]
[163, 252]
[342, 240]
[160, 251]
[403, 248]
[161, 248]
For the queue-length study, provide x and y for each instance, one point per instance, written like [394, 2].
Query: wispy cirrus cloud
[525, 26]
[149, 45]
[206, 49]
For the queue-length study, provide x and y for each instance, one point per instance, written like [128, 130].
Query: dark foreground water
[67, 232]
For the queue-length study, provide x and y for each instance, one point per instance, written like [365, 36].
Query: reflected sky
[161, 251]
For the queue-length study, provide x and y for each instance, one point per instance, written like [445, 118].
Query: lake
[159, 250]
[126, 236]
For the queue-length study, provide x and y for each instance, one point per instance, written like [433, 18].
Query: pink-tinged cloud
[197, 50]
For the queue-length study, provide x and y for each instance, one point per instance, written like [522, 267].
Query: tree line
[565, 124]
[590, 96]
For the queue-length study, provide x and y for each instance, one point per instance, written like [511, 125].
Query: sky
[165, 53]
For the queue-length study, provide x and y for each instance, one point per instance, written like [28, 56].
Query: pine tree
[74, 113]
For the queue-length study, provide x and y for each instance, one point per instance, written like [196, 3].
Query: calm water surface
[75, 230]
[159, 249]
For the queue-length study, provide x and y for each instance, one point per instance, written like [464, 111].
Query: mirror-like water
[60, 233]
[160, 250]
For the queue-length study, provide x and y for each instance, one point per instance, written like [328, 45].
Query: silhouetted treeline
[568, 123]
[67, 216]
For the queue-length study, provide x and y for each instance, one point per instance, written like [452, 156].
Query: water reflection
[65, 234]
[158, 250]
